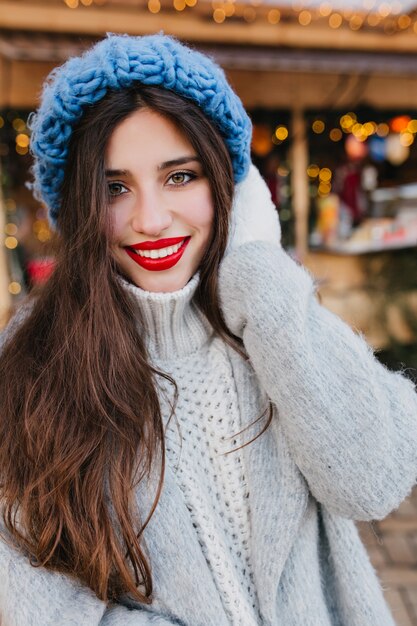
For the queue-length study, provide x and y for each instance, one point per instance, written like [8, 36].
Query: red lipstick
[164, 263]
[157, 245]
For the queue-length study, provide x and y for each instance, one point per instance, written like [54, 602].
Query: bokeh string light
[14, 132]
[387, 17]
[358, 136]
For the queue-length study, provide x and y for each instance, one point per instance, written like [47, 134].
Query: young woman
[185, 434]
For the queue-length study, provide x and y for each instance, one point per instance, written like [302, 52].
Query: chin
[162, 282]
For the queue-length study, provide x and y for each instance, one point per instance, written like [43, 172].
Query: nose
[150, 215]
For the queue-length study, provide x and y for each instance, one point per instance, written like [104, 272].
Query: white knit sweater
[213, 482]
[342, 445]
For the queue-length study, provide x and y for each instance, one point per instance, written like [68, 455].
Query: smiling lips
[158, 255]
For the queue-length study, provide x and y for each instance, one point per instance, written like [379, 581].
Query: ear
[254, 215]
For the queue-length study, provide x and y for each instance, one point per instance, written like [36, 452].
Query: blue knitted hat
[116, 62]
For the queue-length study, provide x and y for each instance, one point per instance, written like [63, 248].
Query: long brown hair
[80, 420]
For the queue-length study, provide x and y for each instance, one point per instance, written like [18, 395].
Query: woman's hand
[254, 215]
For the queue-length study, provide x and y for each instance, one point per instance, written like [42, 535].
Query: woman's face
[161, 202]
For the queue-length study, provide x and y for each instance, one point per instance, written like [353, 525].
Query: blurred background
[331, 87]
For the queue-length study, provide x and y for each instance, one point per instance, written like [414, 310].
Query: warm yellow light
[347, 121]
[11, 243]
[249, 14]
[228, 8]
[382, 130]
[44, 235]
[14, 288]
[325, 9]
[22, 150]
[356, 22]
[415, 27]
[37, 225]
[370, 128]
[18, 124]
[41, 230]
[318, 126]
[335, 20]
[191, 3]
[22, 140]
[404, 21]
[179, 5]
[10, 229]
[154, 6]
[281, 133]
[406, 138]
[313, 170]
[357, 129]
[324, 189]
[72, 4]
[274, 16]
[325, 175]
[412, 126]
[373, 19]
[335, 134]
[219, 15]
[304, 18]
[87, 3]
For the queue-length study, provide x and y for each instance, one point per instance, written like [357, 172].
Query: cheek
[118, 223]
[203, 217]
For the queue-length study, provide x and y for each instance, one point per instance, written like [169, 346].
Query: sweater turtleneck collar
[175, 326]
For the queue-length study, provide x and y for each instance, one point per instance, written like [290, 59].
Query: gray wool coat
[342, 446]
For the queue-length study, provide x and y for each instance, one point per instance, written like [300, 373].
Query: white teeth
[161, 253]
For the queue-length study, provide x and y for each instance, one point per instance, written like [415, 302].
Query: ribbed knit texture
[342, 445]
[118, 62]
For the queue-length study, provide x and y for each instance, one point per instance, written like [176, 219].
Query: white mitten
[254, 216]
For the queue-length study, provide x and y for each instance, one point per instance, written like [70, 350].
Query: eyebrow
[162, 166]
[179, 161]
